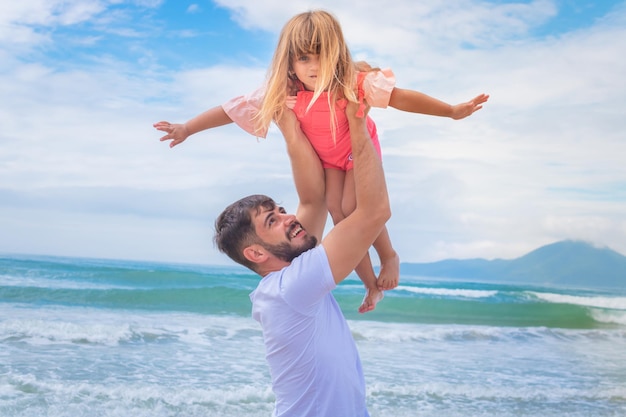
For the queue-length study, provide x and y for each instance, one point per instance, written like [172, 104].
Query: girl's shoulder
[377, 86]
[377, 74]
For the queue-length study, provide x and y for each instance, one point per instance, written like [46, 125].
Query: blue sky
[82, 172]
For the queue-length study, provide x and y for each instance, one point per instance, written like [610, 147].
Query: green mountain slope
[570, 263]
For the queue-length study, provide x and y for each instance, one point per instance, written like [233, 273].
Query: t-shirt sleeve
[378, 86]
[307, 280]
[243, 109]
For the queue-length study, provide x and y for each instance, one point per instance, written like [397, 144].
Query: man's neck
[272, 265]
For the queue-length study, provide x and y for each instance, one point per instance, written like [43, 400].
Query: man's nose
[289, 218]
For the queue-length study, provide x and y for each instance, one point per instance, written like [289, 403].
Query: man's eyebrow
[270, 214]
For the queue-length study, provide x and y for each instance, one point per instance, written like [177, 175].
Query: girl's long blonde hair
[314, 32]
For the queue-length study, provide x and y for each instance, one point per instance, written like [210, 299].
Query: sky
[83, 173]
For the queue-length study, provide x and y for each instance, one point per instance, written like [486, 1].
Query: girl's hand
[463, 110]
[176, 132]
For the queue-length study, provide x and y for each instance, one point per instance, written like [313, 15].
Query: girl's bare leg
[373, 294]
[389, 275]
[334, 193]
[389, 260]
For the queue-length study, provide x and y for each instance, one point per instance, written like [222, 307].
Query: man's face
[281, 234]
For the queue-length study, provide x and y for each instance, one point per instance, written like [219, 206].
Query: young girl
[313, 74]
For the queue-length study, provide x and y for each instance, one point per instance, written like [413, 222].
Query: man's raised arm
[308, 176]
[350, 239]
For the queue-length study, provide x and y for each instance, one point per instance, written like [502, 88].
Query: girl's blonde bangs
[306, 39]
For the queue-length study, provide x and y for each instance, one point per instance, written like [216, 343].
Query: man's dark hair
[234, 229]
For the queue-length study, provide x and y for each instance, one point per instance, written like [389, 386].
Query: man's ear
[255, 254]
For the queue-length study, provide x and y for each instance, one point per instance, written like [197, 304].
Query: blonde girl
[313, 74]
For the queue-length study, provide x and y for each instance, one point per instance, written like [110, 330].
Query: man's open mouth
[295, 231]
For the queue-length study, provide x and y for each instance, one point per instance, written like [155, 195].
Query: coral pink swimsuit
[375, 87]
[315, 123]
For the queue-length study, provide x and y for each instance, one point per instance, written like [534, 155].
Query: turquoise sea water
[85, 337]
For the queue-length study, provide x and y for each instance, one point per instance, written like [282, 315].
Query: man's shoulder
[301, 285]
[310, 260]
[311, 268]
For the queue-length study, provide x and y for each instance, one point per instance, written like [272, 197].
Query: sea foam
[449, 292]
[617, 303]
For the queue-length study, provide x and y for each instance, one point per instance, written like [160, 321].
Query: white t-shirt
[314, 363]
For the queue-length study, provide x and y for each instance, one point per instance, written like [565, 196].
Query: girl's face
[306, 67]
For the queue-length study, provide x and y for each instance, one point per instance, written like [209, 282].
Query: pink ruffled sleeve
[378, 86]
[243, 109]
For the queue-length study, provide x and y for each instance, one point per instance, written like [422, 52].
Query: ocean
[87, 337]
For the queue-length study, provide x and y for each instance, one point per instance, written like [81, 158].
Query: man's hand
[352, 110]
[287, 121]
[290, 102]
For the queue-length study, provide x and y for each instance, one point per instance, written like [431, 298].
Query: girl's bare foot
[389, 273]
[372, 297]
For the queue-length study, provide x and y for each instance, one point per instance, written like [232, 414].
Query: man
[314, 363]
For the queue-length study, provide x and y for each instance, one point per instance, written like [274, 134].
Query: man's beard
[286, 252]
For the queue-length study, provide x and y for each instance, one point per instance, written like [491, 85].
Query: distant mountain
[568, 263]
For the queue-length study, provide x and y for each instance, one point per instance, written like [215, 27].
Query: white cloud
[20, 21]
[193, 8]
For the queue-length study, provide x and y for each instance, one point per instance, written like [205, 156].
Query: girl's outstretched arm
[416, 102]
[177, 132]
